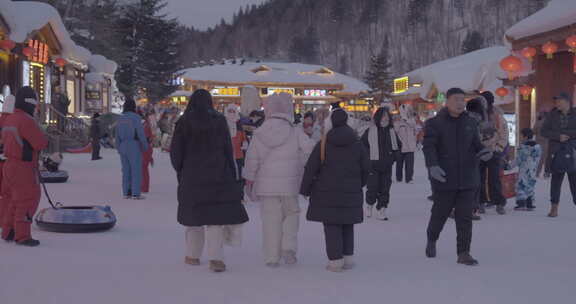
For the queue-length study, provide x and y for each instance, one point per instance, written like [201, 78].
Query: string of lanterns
[512, 64]
[9, 45]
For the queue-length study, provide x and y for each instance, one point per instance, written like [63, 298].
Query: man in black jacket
[452, 149]
[560, 128]
[95, 136]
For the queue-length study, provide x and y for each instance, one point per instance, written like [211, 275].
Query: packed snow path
[524, 257]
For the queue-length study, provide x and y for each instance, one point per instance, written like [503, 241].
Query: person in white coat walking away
[274, 167]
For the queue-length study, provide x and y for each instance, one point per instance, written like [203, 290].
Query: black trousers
[239, 167]
[491, 188]
[95, 149]
[463, 203]
[379, 183]
[339, 241]
[556, 186]
[405, 161]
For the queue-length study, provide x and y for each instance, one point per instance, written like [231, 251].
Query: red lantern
[512, 65]
[529, 52]
[28, 51]
[7, 45]
[431, 107]
[502, 92]
[61, 62]
[549, 48]
[525, 91]
[571, 42]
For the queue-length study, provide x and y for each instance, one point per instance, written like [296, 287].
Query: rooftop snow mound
[478, 70]
[557, 14]
[100, 64]
[274, 72]
[26, 17]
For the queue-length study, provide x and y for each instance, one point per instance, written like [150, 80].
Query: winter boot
[217, 266]
[520, 205]
[431, 249]
[466, 259]
[29, 243]
[368, 210]
[381, 214]
[289, 257]
[553, 211]
[500, 210]
[336, 265]
[10, 236]
[191, 261]
[348, 262]
[530, 204]
[138, 197]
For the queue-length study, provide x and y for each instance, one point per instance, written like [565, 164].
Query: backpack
[564, 160]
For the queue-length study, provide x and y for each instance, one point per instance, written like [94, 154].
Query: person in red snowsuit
[147, 158]
[23, 140]
[7, 109]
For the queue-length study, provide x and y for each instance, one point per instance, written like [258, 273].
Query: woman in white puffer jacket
[273, 171]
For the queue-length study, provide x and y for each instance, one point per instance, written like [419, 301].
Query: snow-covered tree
[150, 42]
[379, 78]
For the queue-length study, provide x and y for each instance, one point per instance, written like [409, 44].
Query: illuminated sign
[357, 108]
[222, 91]
[315, 93]
[401, 85]
[25, 73]
[40, 54]
[272, 91]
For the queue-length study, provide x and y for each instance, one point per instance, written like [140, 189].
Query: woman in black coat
[382, 143]
[334, 184]
[209, 195]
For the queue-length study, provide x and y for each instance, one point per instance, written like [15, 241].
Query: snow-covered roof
[26, 17]
[181, 93]
[557, 14]
[274, 72]
[478, 70]
[100, 64]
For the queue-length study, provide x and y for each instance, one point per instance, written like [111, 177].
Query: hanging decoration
[7, 45]
[571, 43]
[61, 62]
[525, 91]
[28, 51]
[529, 52]
[502, 92]
[512, 65]
[549, 48]
[431, 107]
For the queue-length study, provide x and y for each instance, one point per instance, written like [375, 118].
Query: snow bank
[275, 73]
[26, 17]
[557, 14]
[478, 70]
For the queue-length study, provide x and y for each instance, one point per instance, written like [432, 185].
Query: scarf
[374, 143]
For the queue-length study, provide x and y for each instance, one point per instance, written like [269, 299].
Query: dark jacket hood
[342, 136]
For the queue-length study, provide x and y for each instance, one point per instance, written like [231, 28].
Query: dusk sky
[205, 13]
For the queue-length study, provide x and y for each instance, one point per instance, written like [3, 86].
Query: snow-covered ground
[524, 257]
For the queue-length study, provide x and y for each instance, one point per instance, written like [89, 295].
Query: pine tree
[473, 41]
[305, 48]
[151, 47]
[379, 77]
